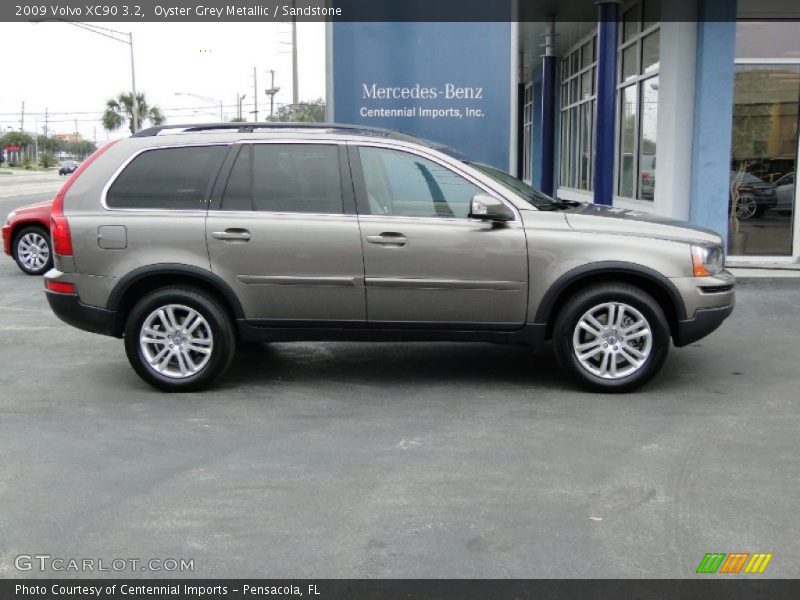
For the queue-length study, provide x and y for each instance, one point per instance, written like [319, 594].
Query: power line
[100, 112]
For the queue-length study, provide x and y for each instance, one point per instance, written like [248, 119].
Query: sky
[72, 72]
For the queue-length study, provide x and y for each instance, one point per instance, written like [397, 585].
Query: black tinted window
[285, 178]
[172, 178]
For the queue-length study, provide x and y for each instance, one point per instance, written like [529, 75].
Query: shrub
[47, 160]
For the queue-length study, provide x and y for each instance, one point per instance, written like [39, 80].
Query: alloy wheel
[612, 340]
[746, 208]
[176, 341]
[33, 251]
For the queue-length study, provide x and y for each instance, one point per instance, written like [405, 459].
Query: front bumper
[7, 239]
[72, 311]
[704, 322]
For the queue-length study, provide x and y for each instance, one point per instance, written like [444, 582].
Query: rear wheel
[179, 339]
[32, 250]
[612, 338]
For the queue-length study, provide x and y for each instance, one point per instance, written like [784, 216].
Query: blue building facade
[629, 107]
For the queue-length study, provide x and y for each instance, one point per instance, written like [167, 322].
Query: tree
[237, 120]
[16, 138]
[119, 110]
[49, 144]
[305, 112]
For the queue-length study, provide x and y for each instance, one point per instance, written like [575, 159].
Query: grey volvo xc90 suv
[184, 240]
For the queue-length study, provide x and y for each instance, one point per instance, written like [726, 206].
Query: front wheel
[179, 339]
[612, 338]
[746, 208]
[32, 251]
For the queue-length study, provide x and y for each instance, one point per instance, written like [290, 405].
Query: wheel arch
[654, 283]
[20, 225]
[139, 282]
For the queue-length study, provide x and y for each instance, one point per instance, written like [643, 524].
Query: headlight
[707, 260]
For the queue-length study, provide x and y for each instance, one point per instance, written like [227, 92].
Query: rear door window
[285, 178]
[167, 178]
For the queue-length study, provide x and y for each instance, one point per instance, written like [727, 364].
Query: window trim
[209, 189]
[359, 184]
[345, 177]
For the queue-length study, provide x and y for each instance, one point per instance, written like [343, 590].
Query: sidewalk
[765, 270]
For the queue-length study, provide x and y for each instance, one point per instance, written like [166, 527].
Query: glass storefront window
[630, 23]
[627, 140]
[651, 13]
[629, 68]
[764, 159]
[651, 51]
[637, 93]
[760, 39]
[576, 156]
[527, 132]
[647, 145]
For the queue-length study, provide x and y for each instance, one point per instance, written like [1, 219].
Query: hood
[607, 219]
[34, 207]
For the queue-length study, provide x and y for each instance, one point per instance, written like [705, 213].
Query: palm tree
[120, 109]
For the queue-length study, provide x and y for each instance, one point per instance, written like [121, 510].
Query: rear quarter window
[167, 178]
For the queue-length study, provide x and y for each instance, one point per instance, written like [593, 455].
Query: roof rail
[251, 127]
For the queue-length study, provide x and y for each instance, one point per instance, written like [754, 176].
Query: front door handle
[388, 238]
[232, 235]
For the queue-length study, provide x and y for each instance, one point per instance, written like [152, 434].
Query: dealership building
[621, 103]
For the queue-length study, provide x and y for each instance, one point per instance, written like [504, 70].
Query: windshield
[519, 187]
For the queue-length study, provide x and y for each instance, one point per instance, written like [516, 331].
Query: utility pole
[271, 93]
[133, 85]
[45, 122]
[294, 57]
[255, 94]
[36, 139]
[22, 118]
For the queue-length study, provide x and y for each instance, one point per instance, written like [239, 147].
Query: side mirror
[488, 208]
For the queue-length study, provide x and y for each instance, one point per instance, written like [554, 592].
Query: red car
[26, 237]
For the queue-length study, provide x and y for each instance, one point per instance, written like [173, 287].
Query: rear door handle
[388, 238]
[232, 235]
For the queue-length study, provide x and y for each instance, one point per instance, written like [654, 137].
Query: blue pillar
[548, 123]
[713, 115]
[608, 18]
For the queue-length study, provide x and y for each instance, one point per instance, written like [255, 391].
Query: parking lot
[400, 460]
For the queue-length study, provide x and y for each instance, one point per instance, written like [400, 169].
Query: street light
[206, 99]
[111, 34]
[239, 100]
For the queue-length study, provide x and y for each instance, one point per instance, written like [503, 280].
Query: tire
[213, 331]
[611, 364]
[32, 250]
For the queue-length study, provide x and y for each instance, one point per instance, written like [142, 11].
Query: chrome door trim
[446, 284]
[321, 281]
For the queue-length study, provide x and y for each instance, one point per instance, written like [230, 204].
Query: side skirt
[531, 334]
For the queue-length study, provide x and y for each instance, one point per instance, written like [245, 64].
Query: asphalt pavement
[400, 460]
